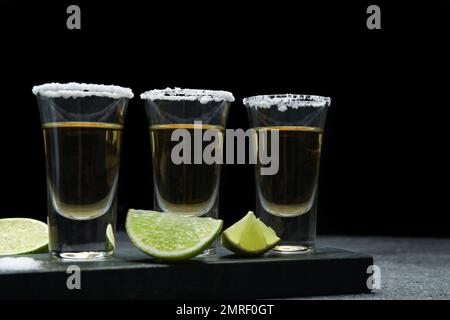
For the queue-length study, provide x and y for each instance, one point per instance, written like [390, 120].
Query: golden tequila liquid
[83, 167]
[287, 198]
[188, 189]
[82, 174]
[291, 190]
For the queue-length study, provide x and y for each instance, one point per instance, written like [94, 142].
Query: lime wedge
[249, 236]
[22, 235]
[110, 244]
[170, 236]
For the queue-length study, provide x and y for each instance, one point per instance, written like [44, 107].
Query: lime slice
[170, 236]
[22, 235]
[249, 236]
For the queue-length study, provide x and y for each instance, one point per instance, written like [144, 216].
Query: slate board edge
[240, 280]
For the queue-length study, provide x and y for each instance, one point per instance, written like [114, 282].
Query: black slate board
[132, 275]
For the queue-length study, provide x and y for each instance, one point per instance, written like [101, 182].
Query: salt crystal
[18, 263]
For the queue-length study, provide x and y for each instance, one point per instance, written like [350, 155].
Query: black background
[381, 170]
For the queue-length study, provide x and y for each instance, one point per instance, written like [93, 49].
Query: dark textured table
[411, 268]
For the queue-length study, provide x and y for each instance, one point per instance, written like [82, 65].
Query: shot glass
[184, 124]
[82, 127]
[292, 126]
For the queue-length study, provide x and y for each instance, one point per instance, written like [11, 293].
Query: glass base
[82, 256]
[294, 248]
[208, 252]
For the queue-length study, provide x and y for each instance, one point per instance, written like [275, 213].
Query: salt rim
[285, 101]
[178, 94]
[80, 90]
